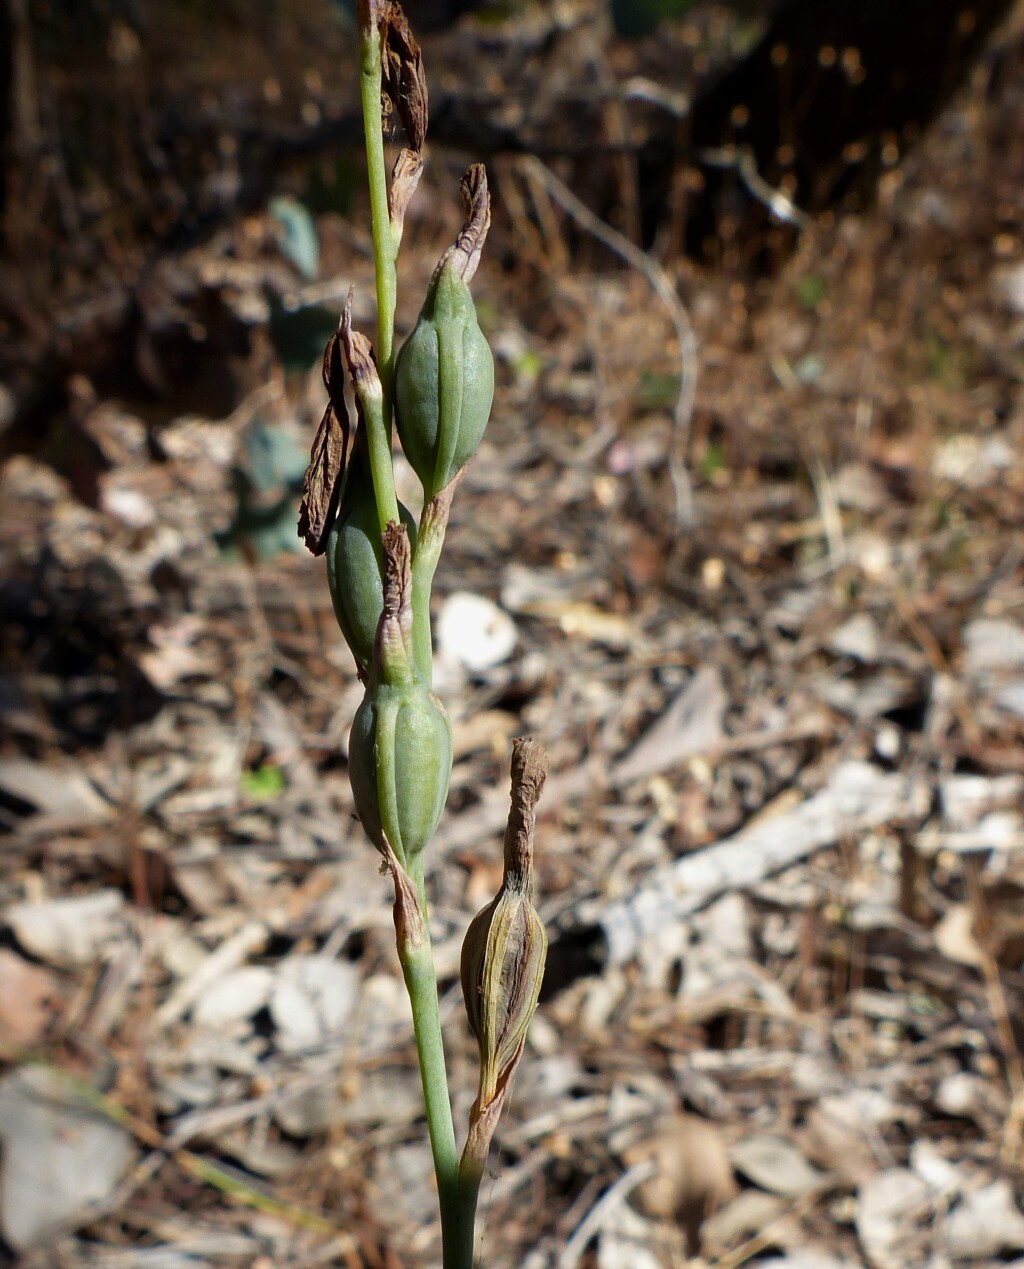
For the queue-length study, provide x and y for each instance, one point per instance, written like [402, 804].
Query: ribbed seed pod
[505, 947]
[400, 746]
[444, 383]
[355, 559]
[400, 764]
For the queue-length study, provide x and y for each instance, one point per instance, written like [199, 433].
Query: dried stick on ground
[534, 170]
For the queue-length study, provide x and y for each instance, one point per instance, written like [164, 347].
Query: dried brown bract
[410, 927]
[467, 248]
[321, 484]
[404, 180]
[404, 80]
[358, 354]
[394, 634]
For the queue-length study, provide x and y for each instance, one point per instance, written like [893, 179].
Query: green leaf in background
[263, 783]
[527, 364]
[712, 461]
[811, 290]
[655, 391]
[331, 186]
[299, 334]
[273, 458]
[267, 480]
[635, 18]
[346, 12]
[297, 237]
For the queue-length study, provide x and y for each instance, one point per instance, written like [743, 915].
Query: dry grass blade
[534, 170]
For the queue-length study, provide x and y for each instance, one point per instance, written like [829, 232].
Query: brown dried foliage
[404, 85]
[322, 482]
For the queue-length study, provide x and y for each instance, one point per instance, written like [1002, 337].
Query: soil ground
[789, 618]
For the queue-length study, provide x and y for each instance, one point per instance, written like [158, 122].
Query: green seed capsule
[444, 384]
[400, 763]
[355, 560]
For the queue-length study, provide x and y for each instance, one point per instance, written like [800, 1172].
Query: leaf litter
[780, 853]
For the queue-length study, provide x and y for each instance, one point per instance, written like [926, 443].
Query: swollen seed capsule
[444, 384]
[505, 947]
[502, 970]
[400, 763]
[355, 560]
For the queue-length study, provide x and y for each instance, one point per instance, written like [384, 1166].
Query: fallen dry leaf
[28, 996]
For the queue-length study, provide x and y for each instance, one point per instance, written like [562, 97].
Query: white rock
[857, 486]
[616, 1252]
[932, 1166]
[993, 644]
[774, 1164]
[962, 1094]
[60, 1156]
[874, 554]
[71, 932]
[474, 633]
[725, 927]
[888, 742]
[383, 1014]
[888, 1206]
[65, 792]
[386, 1094]
[307, 1111]
[130, 506]
[405, 1172]
[621, 1245]
[984, 1224]
[858, 637]
[966, 799]
[237, 995]
[866, 1108]
[1010, 283]
[312, 1000]
[972, 460]
[1010, 697]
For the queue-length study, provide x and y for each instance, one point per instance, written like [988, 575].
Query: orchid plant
[437, 394]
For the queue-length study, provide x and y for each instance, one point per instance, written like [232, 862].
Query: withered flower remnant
[504, 953]
[322, 482]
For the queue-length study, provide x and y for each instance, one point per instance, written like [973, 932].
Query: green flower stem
[421, 642]
[470, 1176]
[379, 443]
[458, 1206]
[384, 250]
[429, 542]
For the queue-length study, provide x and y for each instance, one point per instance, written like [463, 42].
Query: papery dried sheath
[404, 86]
[404, 180]
[322, 482]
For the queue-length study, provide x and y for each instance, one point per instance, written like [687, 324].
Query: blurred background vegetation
[132, 130]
